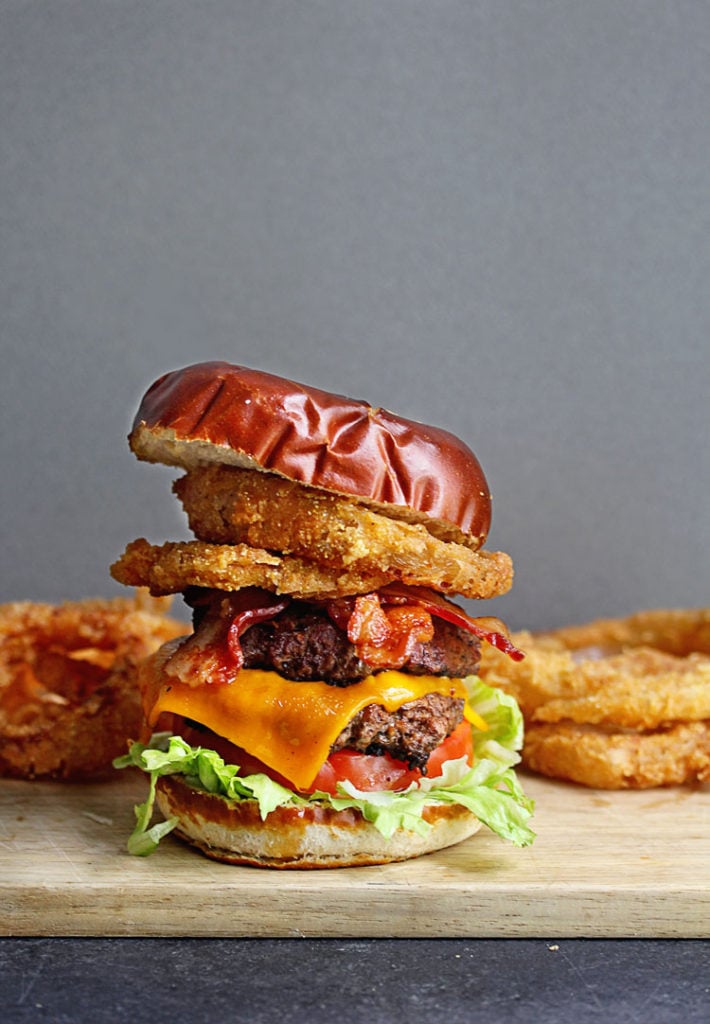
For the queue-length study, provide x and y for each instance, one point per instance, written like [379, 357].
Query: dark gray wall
[492, 216]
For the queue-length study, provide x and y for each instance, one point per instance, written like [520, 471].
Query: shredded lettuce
[489, 789]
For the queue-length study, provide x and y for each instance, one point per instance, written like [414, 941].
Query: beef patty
[304, 644]
[409, 734]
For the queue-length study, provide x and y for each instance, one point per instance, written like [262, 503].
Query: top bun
[216, 412]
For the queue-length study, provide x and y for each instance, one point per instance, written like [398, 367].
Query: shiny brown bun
[299, 837]
[219, 413]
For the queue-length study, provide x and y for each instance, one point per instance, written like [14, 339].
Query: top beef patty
[304, 644]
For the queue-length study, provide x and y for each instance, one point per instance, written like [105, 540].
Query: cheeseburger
[325, 711]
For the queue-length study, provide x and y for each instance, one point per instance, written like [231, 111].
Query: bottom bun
[310, 836]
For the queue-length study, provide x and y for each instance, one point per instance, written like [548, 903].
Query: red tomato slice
[458, 744]
[368, 772]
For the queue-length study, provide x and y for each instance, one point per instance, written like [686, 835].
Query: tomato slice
[367, 772]
[458, 744]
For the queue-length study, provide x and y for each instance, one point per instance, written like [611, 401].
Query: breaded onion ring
[172, 567]
[679, 631]
[639, 689]
[617, 759]
[616, 703]
[68, 694]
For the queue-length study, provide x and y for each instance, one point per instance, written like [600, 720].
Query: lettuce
[489, 789]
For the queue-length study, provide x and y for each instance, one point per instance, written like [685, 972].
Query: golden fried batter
[678, 631]
[174, 566]
[639, 689]
[625, 690]
[226, 505]
[68, 694]
[619, 759]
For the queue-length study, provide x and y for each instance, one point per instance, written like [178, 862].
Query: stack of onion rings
[256, 529]
[616, 703]
[68, 694]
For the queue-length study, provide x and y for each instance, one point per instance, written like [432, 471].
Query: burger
[325, 710]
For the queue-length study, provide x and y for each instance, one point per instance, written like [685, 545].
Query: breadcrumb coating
[68, 695]
[226, 505]
[615, 703]
[176, 565]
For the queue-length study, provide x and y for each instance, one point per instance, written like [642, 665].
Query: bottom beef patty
[409, 734]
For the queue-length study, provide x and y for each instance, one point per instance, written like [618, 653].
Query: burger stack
[325, 711]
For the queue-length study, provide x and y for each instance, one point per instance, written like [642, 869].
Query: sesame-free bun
[299, 837]
[216, 412]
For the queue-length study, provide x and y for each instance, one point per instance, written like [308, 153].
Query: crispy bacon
[389, 622]
[216, 642]
[383, 626]
[488, 628]
[386, 637]
[243, 620]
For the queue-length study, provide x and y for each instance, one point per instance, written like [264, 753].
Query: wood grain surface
[603, 864]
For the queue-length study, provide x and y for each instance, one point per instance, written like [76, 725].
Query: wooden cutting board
[604, 864]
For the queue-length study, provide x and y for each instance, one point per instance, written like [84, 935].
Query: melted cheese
[289, 726]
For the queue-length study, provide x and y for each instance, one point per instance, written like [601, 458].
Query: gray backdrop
[491, 216]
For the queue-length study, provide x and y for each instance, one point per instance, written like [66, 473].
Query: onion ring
[616, 703]
[176, 565]
[616, 759]
[68, 694]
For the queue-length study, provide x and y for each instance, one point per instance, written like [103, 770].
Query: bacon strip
[387, 637]
[384, 627]
[215, 643]
[488, 628]
[242, 622]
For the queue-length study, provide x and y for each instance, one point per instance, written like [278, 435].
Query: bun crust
[216, 412]
[299, 837]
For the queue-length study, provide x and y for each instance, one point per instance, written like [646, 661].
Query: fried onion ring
[172, 567]
[617, 703]
[617, 759]
[226, 505]
[68, 694]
